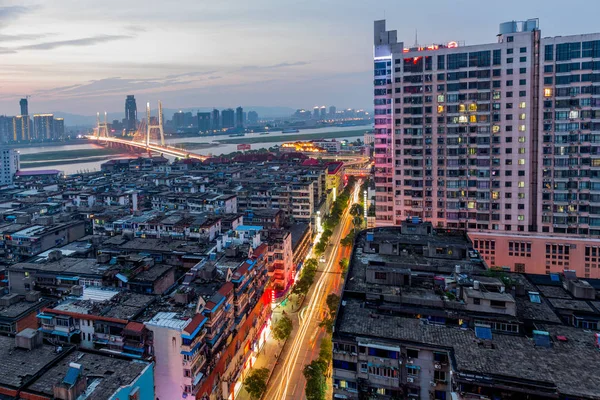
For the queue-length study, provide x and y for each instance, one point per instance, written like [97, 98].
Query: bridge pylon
[155, 127]
[102, 129]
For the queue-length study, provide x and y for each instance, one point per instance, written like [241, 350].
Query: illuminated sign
[449, 45]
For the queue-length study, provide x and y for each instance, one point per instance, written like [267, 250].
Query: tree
[344, 265]
[256, 382]
[311, 263]
[348, 241]
[357, 221]
[356, 210]
[283, 328]
[333, 302]
[315, 380]
[326, 351]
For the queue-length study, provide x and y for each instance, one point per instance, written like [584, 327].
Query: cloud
[4, 50]
[12, 12]
[280, 65]
[22, 37]
[89, 41]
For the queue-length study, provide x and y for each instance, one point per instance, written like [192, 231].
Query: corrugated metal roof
[169, 320]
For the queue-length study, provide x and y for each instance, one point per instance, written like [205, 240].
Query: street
[287, 381]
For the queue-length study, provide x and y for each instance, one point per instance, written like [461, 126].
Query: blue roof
[483, 332]
[68, 278]
[198, 378]
[554, 277]
[249, 228]
[122, 278]
[72, 375]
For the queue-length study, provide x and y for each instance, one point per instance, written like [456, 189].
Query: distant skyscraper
[24, 107]
[43, 127]
[203, 121]
[9, 165]
[323, 112]
[252, 117]
[130, 114]
[21, 128]
[228, 117]
[332, 111]
[239, 117]
[6, 129]
[59, 128]
[179, 119]
[316, 113]
[216, 120]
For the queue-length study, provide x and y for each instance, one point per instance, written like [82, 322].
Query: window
[521, 161]
[549, 52]
[522, 59]
[509, 51]
[521, 128]
[522, 70]
[381, 275]
[439, 376]
[522, 104]
[411, 353]
[547, 92]
[412, 370]
[522, 82]
[509, 60]
[522, 116]
[510, 39]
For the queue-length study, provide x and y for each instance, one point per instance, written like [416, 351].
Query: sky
[81, 56]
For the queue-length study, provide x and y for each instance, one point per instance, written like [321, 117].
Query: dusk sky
[83, 56]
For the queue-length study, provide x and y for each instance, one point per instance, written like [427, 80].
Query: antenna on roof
[416, 39]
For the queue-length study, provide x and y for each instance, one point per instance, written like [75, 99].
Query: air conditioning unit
[432, 383]
[335, 385]
[410, 361]
[437, 366]
[410, 380]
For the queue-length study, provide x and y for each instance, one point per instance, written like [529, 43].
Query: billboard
[244, 147]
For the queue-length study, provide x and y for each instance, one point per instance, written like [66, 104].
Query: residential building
[215, 120]
[204, 123]
[332, 146]
[9, 165]
[21, 128]
[239, 117]
[23, 104]
[179, 120]
[63, 372]
[252, 117]
[280, 261]
[43, 127]
[130, 114]
[421, 316]
[6, 129]
[59, 128]
[228, 118]
[332, 112]
[494, 139]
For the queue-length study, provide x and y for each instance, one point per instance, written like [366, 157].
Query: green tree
[348, 241]
[256, 382]
[326, 351]
[311, 263]
[283, 328]
[333, 302]
[315, 380]
[327, 323]
[356, 210]
[344, 265]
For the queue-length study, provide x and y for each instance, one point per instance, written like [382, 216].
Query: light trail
[314, 306]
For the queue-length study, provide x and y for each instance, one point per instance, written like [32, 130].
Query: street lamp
[319, 228]
[365, 205]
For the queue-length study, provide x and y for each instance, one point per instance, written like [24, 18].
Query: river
[215, 149]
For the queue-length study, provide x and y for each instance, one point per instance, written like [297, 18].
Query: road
[287, 381]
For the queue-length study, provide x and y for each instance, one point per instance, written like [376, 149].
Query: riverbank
[293, 137]
[195, 145]
[46, 144]
[66, 157]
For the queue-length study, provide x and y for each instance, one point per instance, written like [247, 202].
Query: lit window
[462, 108]
[521, 195]
[522, 104]
[521, 128]
[496, 128]
[573, 114]
[521, 150]
[495, 195]
[521, 161]
[496, 96]
[440, 98]
[471, 204]
[522, 116]
[440, 109]
[521, 139]
[462, 118]
[473, 107]
[473, 118]
[547, 92]
[521, 184]
[521, 218]
[472, 151]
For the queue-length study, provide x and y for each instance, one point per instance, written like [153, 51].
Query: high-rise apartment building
[179, 119]
[332, 111]
[43, 127]
[130, 114]
[6, 129]
[252, 117]
[23, 104]
[216, 120]
[9, 165]
[496, 139]
[59, 128]
[203, 121]
[228, 118]
[21, 128]
[316, 112]
[239, 117]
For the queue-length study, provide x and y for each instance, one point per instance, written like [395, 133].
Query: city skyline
[69, 64]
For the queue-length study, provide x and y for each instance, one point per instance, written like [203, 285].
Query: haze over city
[84, 56]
